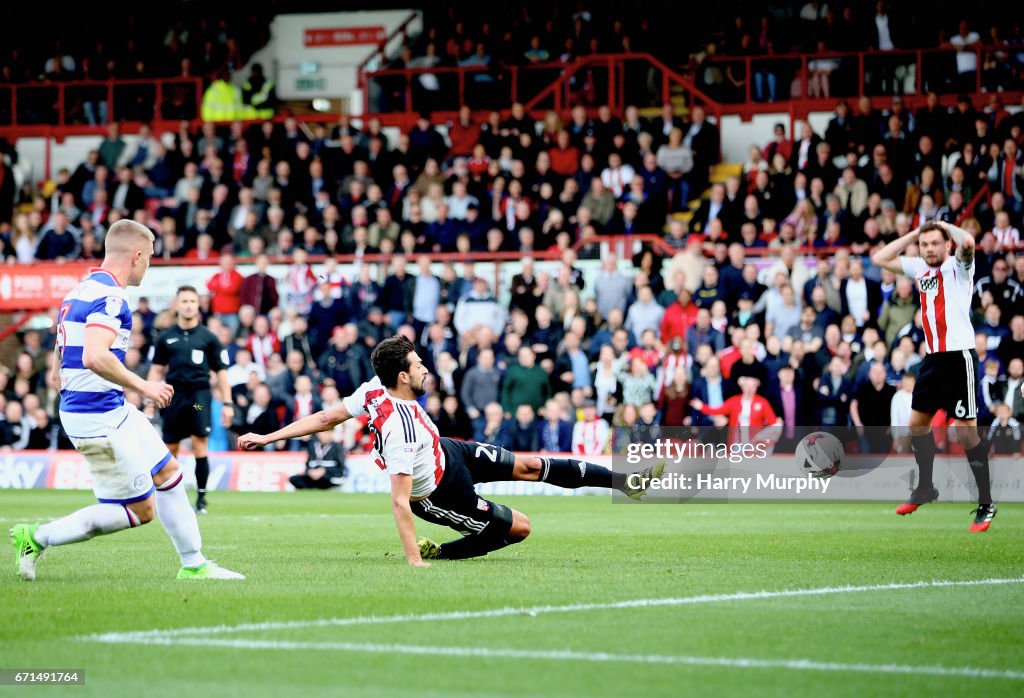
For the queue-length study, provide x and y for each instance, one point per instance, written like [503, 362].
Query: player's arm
[705, 408]
[889, 256]
[54, 376]
[97, 357]
[319, 421]
[157, 372]
[401, 489]
[227, 414]
[963, 240]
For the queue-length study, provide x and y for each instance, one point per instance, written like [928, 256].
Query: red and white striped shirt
[590, 438]
[405, 440]
[946, 293]
[1007, 237]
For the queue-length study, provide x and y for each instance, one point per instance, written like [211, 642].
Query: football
[820, 454]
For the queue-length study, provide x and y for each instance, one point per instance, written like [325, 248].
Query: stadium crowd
[766, 289]
[746, 299]
[178, 41]
[959, 49]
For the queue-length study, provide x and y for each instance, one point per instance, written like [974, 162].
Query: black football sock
[573, 474]
[472, 546]
[924, 453]
[202, 473]
[977, 457]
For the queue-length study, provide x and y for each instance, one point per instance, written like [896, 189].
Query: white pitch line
[144, 635]
[570, 655]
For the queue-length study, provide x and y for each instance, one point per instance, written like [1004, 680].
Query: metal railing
[615, 80]
[380, 53]
[640, 79]
[38, 105]
[874, 73]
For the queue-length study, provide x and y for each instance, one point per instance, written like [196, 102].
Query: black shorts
[187, 415]
[455, 502]
[948, 381]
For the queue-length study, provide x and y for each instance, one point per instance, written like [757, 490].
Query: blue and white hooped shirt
[91, 405]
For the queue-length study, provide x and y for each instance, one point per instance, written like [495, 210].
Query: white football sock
[179, 520]
[92, 521]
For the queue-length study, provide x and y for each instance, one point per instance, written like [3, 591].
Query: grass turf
[325, 555]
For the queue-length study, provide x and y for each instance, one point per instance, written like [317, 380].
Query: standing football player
[434, 477]
[184, 355]
[946, 379]
[126, 457]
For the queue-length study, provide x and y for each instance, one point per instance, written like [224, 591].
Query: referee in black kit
[183, 356]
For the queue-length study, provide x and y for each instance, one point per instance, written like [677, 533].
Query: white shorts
[124, 461]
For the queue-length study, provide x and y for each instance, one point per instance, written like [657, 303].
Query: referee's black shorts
[455, 502]
[187, 415]
[948, 380]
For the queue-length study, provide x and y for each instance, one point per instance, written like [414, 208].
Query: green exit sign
[311, 84]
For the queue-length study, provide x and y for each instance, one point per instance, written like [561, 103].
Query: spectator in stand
[225, 289]
[554, 433]
[523, 434]
[966, 43]
[495, 427]
[524, 383]
[343, 363]
[260, 289]
[59, 240]
[613, 288]
[565, 157]
[264, 415]
[481, 386]
[479, 308]
[397, 293]
[676, 160]
[325, 315]
[748, 413]
[590, 435]
[1006, 175]
[112, 146]
[679, 317]
[870, 408]
[645, 313]
[263, 342]
[16, 428]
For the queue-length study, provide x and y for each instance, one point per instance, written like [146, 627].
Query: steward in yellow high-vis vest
[222, 101]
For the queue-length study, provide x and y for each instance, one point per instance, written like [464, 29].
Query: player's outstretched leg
[179, 520]
[925, 492]
[30, 540]
[573, 473]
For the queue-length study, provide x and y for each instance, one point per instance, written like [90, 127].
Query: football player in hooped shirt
[434, 477]
[947, 379]
[134, 475]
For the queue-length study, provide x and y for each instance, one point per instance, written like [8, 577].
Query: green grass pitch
[316, 556]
